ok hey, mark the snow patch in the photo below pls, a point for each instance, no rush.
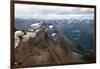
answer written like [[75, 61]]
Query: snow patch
[[53, 34], [36, 24], [37, 30], [51, 26]]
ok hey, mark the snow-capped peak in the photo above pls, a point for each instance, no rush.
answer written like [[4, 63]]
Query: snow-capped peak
[[36, 24], [51, 26], [37, 30], [53, 34]]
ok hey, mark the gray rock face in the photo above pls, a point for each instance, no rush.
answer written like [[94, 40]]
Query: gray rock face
[[42, 50]]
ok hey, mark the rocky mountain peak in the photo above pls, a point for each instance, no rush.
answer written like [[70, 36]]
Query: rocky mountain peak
[[43, 50]]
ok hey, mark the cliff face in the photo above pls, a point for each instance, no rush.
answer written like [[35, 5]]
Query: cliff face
[[42, 50]]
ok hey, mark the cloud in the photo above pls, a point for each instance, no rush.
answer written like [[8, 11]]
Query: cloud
[[26, 10], [87, 10]]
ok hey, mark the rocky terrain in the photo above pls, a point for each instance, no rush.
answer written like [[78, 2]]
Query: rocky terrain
[[43, 44]]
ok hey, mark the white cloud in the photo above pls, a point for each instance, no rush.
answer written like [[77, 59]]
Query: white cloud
[[38, 11]]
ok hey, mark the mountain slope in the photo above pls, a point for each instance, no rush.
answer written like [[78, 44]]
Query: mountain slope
[[43, 50]]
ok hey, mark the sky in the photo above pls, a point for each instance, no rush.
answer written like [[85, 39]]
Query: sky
[[51, 12]]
